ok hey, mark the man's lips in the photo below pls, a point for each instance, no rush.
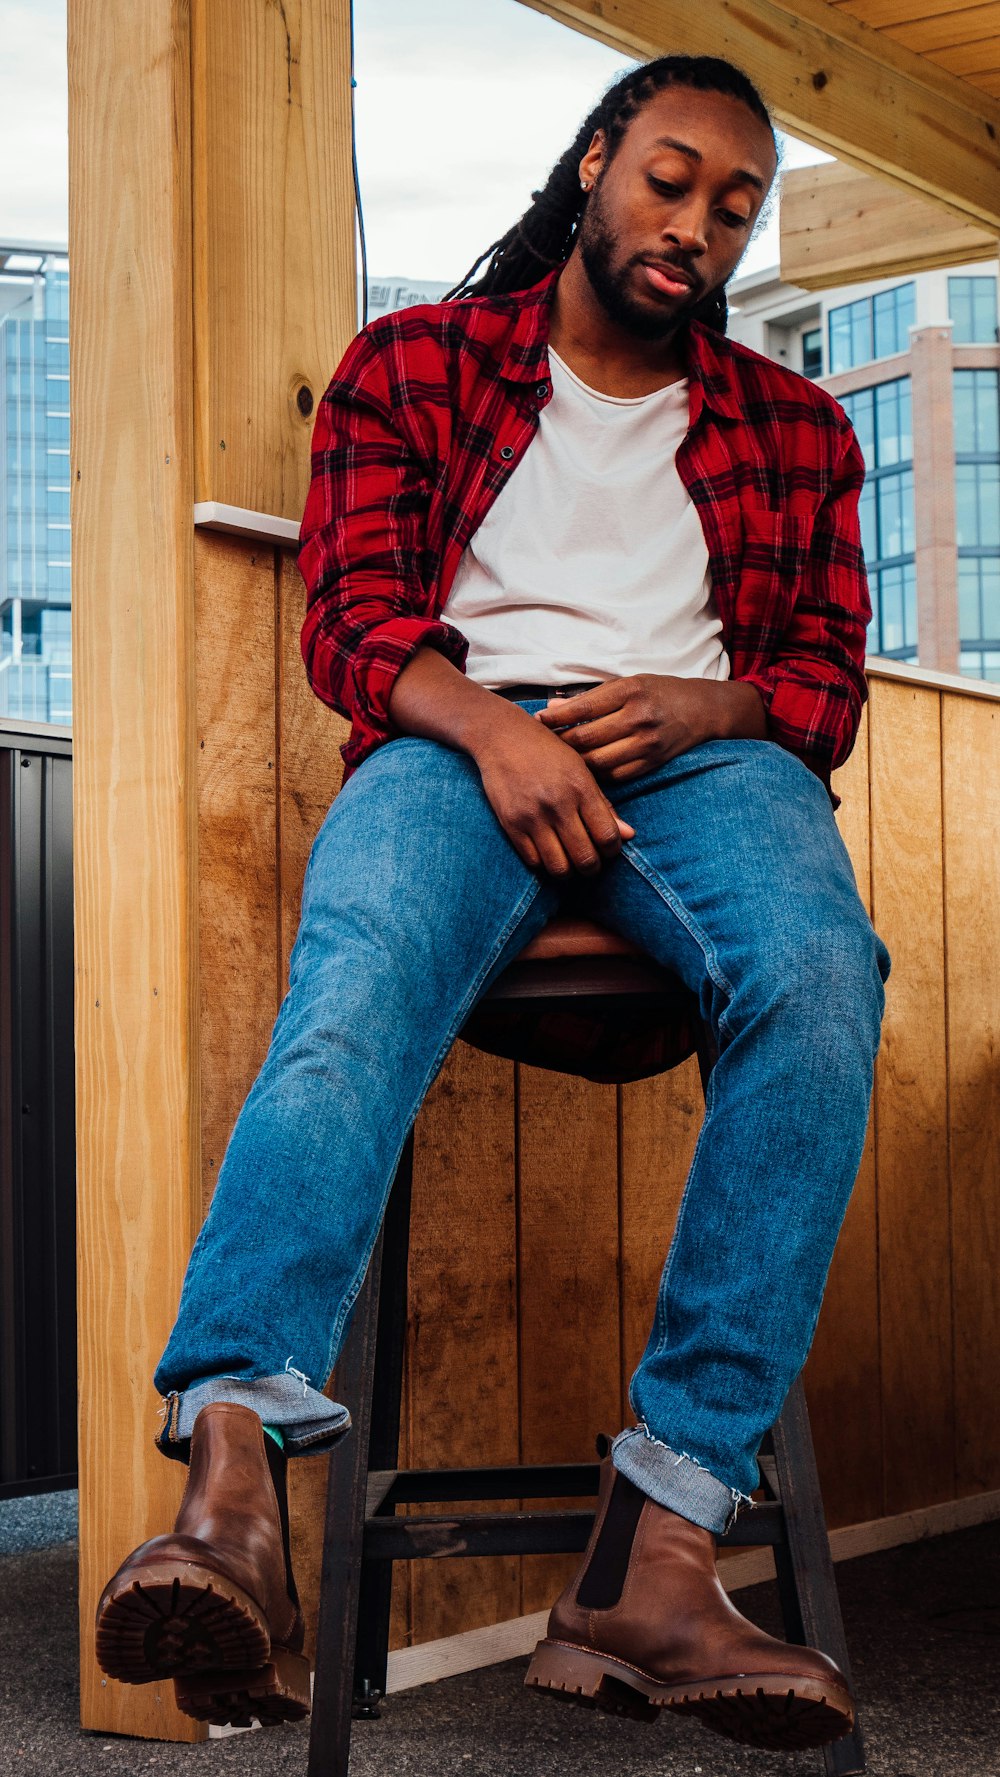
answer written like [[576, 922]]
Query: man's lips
[[668, 278]]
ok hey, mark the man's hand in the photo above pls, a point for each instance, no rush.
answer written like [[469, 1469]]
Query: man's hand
[[544, 797], [628, 726], [549, 805]]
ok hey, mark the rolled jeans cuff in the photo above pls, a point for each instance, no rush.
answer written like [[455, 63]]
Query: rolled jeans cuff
[[307, 1420], [676, 1480]]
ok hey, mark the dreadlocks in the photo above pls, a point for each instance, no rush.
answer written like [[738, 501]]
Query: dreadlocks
[[544, 235]]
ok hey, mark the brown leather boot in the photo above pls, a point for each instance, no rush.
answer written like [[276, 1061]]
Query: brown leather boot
[[213, 1604], [646, 1624]]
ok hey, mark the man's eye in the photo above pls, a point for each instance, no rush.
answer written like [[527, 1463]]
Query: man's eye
[[730, 219]]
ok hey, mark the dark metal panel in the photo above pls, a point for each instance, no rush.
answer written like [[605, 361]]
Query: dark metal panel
[[37, 1146]]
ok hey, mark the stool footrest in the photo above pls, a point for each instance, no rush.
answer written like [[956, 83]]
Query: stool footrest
[[476, 1533], [388, 1488], [523, 1533]]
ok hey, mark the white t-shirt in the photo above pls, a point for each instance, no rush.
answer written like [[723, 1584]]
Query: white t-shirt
[[591, 562]]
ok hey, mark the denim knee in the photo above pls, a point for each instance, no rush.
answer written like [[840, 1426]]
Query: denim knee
[[830, 972]]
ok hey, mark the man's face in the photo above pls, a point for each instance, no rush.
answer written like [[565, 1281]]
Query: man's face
[[657, 208]]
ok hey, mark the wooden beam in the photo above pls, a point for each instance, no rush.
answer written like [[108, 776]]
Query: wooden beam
[[273, 236], [134, 748], [830, 81], [839, 226], [211, 218]]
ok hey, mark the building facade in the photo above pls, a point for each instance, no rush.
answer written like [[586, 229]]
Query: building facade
[[915, 362], [35, 673], [386, 294]]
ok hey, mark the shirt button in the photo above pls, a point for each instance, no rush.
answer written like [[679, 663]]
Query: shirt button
[[542, 390], [506, 451]]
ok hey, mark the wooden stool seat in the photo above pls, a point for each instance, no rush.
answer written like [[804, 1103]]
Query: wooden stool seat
[[573, 958], [570, 935]]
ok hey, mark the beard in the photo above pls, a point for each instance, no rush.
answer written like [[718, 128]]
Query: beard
[[612, 285]]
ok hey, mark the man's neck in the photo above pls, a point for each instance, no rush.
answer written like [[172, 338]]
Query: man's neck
[[604, 355]]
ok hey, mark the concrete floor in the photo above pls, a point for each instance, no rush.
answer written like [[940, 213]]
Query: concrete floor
[[923, 1626]]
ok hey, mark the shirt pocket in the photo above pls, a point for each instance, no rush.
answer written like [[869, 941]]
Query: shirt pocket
[[776, 550]]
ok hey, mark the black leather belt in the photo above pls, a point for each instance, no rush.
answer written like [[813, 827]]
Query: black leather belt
[[545, 691]]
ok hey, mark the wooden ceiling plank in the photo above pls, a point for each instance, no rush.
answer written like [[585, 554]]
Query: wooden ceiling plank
[[971, 58], [881, 14], [972, 24], [831, 82]]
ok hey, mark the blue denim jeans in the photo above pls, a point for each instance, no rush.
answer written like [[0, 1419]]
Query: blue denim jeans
[[414, 900]]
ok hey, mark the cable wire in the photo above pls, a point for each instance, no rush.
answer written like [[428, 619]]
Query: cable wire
[[359, 211]]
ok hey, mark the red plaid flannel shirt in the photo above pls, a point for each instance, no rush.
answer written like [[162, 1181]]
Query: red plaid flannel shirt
[[408, 456], [429, 413]]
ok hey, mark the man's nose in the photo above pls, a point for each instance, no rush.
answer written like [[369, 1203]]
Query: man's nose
[[688, 227]]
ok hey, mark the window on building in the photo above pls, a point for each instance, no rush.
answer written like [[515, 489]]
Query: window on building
[[873, 327], [850, 335], [977, 500], [893, 312], [35, 500], [31, 632], [882, 419], [972, 305], [812, 352]]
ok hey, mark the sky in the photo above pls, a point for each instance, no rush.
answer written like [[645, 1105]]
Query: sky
[[462, 108]]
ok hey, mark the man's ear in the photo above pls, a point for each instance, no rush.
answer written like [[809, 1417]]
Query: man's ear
[[593, 160]]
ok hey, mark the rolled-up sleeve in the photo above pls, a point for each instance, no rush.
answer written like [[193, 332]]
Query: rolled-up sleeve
[[363, 552], [815, 689]]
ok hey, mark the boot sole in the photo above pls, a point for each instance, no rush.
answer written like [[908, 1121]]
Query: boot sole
[[174, 1618], [276, 1692], [780, 1711]]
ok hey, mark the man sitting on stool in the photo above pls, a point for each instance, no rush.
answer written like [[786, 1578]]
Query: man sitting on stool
[[571, 483]]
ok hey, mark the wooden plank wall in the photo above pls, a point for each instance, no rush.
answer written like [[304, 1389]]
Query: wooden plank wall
[[544, 1205]]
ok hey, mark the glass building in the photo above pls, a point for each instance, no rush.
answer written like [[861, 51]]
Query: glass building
[[976, 397], [35, 673], [882, 419], [874, 327], [927, 345]]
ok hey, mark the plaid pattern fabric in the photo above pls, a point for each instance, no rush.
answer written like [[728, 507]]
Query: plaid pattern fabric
[[431, 410]]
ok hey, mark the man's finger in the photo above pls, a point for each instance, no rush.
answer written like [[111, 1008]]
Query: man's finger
[[618, 754], [584, 704], [550, 851], [578, 844], [598, 731]]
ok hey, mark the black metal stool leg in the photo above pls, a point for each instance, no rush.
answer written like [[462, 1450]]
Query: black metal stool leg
[[808, 1555], [383, 1450], [330, 1733]]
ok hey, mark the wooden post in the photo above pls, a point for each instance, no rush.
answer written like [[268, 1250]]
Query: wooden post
[[212, 279]]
